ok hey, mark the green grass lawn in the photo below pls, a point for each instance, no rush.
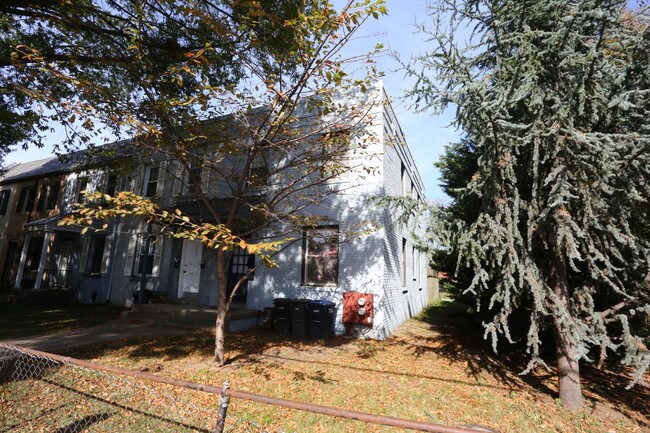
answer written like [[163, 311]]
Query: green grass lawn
[[21, 320]]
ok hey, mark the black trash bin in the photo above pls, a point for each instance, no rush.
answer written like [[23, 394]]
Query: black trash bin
[[282, 315], [299, 318], [322, 316]]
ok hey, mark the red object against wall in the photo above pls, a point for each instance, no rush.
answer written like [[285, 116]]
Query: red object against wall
[[358, 308]]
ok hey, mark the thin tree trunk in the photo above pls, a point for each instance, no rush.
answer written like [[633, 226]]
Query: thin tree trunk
[[566, 349], [222, 311]]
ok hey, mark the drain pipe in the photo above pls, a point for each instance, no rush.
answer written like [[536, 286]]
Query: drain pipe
[[116, 234], [145, 263]]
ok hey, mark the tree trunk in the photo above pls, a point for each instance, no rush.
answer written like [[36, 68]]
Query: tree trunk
[[566, 348], [222, 311]]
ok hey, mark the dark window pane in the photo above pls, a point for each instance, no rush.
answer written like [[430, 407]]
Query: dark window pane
[[26, 199], [4, 201], [42, 199], [53, 196], [95, 255], [194, 179], [82, 185], [111, 185], [144, 255], [152, 182]]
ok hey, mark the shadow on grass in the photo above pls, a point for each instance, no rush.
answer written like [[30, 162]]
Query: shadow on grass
[[22, 320], [456, 336], [240, 346], [459, 338]]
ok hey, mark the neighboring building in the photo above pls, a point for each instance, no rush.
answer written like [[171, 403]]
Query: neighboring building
[[33, 252], [356, 245]]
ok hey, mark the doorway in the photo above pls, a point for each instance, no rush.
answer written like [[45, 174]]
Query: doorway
[[63, 261], [240, 263], [189, 278]]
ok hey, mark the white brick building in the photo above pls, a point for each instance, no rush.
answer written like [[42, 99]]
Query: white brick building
[[356, 245]]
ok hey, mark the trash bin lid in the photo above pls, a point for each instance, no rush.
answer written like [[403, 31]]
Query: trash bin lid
[[322, 303], [281, 301]]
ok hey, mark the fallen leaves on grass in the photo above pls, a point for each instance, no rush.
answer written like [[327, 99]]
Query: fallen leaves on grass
[[432, 371]]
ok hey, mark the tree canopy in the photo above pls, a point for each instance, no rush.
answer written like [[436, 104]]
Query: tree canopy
[[142, 66], [246, 93], [549, 186]]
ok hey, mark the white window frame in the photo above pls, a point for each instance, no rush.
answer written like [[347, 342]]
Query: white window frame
[[88, 251], [78, 196], [132, 263], [147, 180]]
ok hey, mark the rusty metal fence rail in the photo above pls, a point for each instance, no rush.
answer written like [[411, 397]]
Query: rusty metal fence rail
[[46, 392]]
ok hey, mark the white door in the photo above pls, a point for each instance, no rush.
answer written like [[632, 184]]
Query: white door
[[63, 264], [190, 275]]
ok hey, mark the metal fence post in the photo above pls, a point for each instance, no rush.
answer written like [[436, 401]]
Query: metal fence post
[[223, 408]]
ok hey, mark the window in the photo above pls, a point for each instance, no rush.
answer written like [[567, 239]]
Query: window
[[4, 201], [141, 254], [95, 255], [258, 174], [404, 177], [26, 199], [413, 264], [53, 196], [48, 197], [111, 184], [242, 262], [194, 175], [151, 181], [82, 186], [321, 256], [404, 262], [334, 155]]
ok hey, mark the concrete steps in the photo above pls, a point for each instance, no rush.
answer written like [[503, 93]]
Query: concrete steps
[[192, 316]]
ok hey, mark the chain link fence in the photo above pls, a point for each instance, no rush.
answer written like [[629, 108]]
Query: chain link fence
[[41, 392]]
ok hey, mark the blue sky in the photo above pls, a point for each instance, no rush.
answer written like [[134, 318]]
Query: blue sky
[[426, 134]]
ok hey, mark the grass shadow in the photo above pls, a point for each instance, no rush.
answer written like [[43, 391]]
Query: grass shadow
[[23, 320], [459, 339]]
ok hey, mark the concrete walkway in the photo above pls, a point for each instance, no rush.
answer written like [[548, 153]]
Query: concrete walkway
[[113, 330]]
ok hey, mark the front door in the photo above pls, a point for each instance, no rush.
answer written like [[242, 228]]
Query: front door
[[63, 262], [240, 263], [190, 274], [9, 269]]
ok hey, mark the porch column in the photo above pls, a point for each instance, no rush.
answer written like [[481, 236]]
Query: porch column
[[23, 259], [42, 260]]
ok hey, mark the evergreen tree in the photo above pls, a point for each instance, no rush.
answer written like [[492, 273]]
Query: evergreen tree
[[554, 97]]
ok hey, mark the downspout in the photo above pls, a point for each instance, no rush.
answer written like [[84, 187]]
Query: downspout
[[116, 233], [145, 263]]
